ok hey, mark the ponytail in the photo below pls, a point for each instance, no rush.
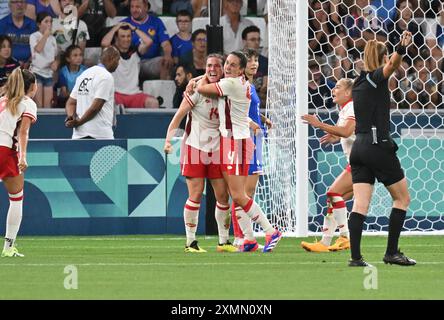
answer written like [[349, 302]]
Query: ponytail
[[18, 84], [374, 53]]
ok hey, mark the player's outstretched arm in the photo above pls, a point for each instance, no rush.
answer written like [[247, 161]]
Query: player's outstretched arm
[[344, 131], [183, 110]]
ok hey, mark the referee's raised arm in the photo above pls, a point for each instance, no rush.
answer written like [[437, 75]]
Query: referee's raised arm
[[396, 58]]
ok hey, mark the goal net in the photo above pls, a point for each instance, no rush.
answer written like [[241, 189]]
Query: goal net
[[298, 170]]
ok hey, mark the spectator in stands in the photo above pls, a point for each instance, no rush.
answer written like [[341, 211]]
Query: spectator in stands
[[363, 25], [7, 62], [94, 13], [181, 41], [19, 27], [196, 59], [69, 73], [385, 10], [424, 87], [4, 8], [434, 32], [154, 65], [44, 59], [126, 76], [318, 87], [122, 7], [339, 61], [233, 24], [399, 85], [52, 7], [200, 8], [404, 21], [90, 107], [180, 5], [64, 29], [183, 76], [251, 38]]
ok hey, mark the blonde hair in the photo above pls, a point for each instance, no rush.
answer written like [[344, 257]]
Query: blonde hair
[[374, 53], [18, 84], [348, 83]]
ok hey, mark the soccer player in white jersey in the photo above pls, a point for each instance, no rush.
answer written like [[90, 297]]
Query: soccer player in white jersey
[[342, 188], [236, 147], [17, 112], [200, 158]]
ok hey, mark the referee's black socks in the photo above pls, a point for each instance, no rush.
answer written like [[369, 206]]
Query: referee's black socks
[[355, 226], [396, 223]]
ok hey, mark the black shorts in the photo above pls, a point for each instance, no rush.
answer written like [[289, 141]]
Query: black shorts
[[370, 161]]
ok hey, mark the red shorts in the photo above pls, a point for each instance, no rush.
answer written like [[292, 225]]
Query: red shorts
[[8, 162], [348, 168], [236, 155], [195, 163], [131, 100]]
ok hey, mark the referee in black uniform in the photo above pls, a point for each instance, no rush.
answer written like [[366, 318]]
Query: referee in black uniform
[[374, 152]]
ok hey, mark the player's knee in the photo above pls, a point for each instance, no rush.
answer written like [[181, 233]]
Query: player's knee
[[361, 207]]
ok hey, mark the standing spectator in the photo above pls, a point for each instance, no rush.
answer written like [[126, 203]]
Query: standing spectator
[[434, 32], [196, 59], [52, 7], [183, 76], [69, 73], [90, 107], [19, 27], [7, 62], [44, 59], [122, 7], [126, 76], [4, 9], [233, 24], [251, 38], [94, 13], [181, 41], [64, 29], [155, 64]]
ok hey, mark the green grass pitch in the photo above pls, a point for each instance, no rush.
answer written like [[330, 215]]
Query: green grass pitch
[[155, 267]]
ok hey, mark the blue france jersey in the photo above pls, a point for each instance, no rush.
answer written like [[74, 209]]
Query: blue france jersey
[[180, 47], [254, 112]]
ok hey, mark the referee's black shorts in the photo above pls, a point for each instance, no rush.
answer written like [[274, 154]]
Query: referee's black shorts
[[369, 161]]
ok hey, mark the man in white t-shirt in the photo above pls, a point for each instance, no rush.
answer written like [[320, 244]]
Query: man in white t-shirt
[[90, 107], [126, 76], [233, 24]]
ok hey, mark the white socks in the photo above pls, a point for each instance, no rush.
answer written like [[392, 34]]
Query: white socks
[[257, 215], [191, 218], [222, 214], [14, 218]]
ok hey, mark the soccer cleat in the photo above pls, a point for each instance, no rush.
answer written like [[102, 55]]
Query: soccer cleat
[[271, 241], [342, 243], [358, 263], [226, 247], [12, 252], [398, 258], [249, 246], [194, 248], [314, 247]]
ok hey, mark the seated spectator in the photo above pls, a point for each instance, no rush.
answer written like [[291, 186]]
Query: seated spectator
[[251, 38], [4, 9], [68, 74], [434, 33], [44, 60], [7, 62], [52, 7], [423, 93], [94, 13], [64, 29], [319, 88], [399, 85], [183, 76], [122, 7], [126, 76], [404, 21], [233, 24], [339, 62], [157, 62], [19, 28], [363, 25], [200, 8], [180, 5], [196, 58], [181, 41]]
